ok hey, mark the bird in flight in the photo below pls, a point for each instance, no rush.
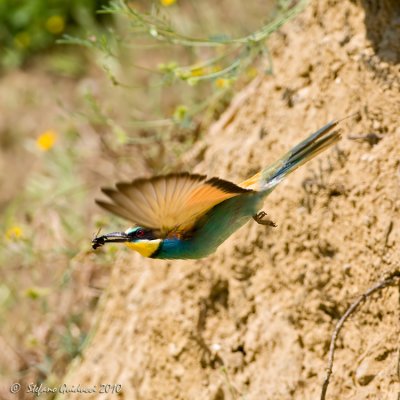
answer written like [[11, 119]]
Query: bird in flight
[[187, 216]]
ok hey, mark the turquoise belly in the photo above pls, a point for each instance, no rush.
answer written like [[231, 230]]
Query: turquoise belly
[[214, 228]]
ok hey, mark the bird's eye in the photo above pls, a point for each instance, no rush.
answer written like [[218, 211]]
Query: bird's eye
[[140, 233]]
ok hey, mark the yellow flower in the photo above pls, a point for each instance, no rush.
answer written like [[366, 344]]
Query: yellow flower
[[35, 293], [46, 140], [14, 233], [222, 83], [167, 3], [55, 24], [22, 40], [180, 113], [252, 72], [31, 341], [198, 72], [216, 68]]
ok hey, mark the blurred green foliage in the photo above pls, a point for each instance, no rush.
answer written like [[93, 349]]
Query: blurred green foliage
[[29, 26], [186, 58]]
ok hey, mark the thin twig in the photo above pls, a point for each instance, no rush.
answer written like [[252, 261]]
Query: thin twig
[[388, 232], [388, 281]]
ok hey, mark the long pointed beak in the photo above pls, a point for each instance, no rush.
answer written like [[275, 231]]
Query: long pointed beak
[[113, 237]]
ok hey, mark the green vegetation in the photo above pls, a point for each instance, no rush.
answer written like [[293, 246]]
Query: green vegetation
[[174, 57], [27, 26]]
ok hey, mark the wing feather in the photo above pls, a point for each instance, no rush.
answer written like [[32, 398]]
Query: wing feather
[[133, 202], [168, 202], [171, 190], [121, 212], [138, 200]]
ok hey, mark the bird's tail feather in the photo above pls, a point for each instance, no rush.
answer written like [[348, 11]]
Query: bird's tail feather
[[267, 179]]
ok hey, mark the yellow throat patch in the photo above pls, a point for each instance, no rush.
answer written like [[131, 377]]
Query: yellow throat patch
[[145, 247]]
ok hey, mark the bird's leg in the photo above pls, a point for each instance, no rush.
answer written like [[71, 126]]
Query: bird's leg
[[260, 219]]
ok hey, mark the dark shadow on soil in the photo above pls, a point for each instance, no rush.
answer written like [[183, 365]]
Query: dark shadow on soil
[[382, 20]]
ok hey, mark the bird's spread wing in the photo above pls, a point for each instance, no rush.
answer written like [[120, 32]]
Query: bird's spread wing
[[168, 203]]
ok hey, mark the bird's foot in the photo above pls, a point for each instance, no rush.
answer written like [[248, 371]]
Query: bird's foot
[[260, 219]]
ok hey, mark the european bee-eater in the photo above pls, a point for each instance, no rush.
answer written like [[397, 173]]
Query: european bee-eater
[[181, 216]]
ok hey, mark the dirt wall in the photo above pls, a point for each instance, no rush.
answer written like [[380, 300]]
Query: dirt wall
[[254, 320]]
